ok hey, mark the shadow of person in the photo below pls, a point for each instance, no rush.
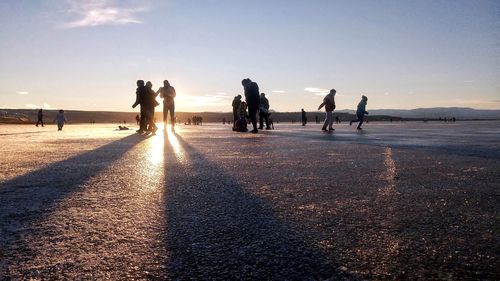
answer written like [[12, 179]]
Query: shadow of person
[[28, 199], [215, 229]]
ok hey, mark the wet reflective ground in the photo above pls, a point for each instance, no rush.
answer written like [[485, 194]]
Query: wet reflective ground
[[395, 201]]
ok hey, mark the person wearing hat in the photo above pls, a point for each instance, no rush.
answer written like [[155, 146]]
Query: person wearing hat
[[252, 98], [360, 112]]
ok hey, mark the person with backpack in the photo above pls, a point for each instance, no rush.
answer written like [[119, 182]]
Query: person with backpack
[[252, 98], [329, 104]]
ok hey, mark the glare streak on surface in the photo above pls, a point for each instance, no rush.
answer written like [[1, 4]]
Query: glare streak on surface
[[171, 138]]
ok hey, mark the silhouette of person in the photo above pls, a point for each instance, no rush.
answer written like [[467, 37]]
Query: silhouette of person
[[316, 119], [329, 104], [360, 112], [137, 119], [241, 123], [236, 106], [60, 119], [141, 99], [151, 104], [167, 93], [40, 117], [304, 117], [264, 112], [252, 99]]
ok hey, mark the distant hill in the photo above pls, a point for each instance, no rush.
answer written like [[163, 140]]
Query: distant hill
[[77, 116], [437, 112]]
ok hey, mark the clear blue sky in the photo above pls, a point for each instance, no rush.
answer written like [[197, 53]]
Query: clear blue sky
[[401, 54]]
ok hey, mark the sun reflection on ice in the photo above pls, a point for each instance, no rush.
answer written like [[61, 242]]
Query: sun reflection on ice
[[171, 137]]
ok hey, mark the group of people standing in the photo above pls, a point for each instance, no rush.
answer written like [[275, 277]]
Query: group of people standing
[[146, 98], [255, 102]]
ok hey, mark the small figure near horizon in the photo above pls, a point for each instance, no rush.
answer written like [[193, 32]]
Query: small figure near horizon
[[329, 104], [167, 93], [60, 120], [264, 112], [304, 117], [140, 99], [252, 98], [40, 118], [337, 120], [137, 119], [360, 112], [271, 123], [236, 106], [316, 119], [224, 121]]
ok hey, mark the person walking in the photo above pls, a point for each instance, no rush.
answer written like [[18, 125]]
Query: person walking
[[60, 120], [151, 104], [40, 117], [304, 117], [329, 104], [236, 106], [167, 93], [141, 99], [252, 98], [360, 112], [264, 112]]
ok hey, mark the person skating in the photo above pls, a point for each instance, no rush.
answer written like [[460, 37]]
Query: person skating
[[329, 104], [360, 112], [304, 117], [40, 117], [252, 98], [140, 99], [264, 112], [167, 93], [60, 120]]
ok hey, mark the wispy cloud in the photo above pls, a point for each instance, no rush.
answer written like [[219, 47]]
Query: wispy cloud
[[35, 106], [22, 93], [193, 101], [317, 91], [478, 101], [101, 12], [386, 94], [278, 91]]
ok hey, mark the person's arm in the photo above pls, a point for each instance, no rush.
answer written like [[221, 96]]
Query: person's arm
[[173, 93], [321, 105]]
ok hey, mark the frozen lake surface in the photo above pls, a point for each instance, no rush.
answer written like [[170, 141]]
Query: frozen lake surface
[[408, 200]]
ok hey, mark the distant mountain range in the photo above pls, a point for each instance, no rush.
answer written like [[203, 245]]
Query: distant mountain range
[[77, 116]]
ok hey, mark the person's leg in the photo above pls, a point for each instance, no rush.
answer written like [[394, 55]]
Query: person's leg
[[353, 121], [165, 114], [144, 120], [261, 120], [252, 111], [330, 123], [41, 121], [361, 119], [172, 115], [326, 122], [266, 119]]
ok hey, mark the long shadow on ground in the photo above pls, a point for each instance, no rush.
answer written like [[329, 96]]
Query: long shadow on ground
[[217, 230], [27, 199]]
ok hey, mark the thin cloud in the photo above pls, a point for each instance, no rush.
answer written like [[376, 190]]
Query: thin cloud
[[101, 12], [35, 106], [278, 92], [22, 93], [317, 91], [386, 94]]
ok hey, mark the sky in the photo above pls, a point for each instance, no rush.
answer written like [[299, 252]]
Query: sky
[[402, 54]]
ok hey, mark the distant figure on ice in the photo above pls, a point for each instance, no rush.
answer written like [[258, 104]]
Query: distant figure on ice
[[316, 119], [60, 120], [167, 93], [264, 112], [337, 120], [40, 117], [360, 112], [236, 106], [137, 119], [329, 104], [304, 117], [252, 98]]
